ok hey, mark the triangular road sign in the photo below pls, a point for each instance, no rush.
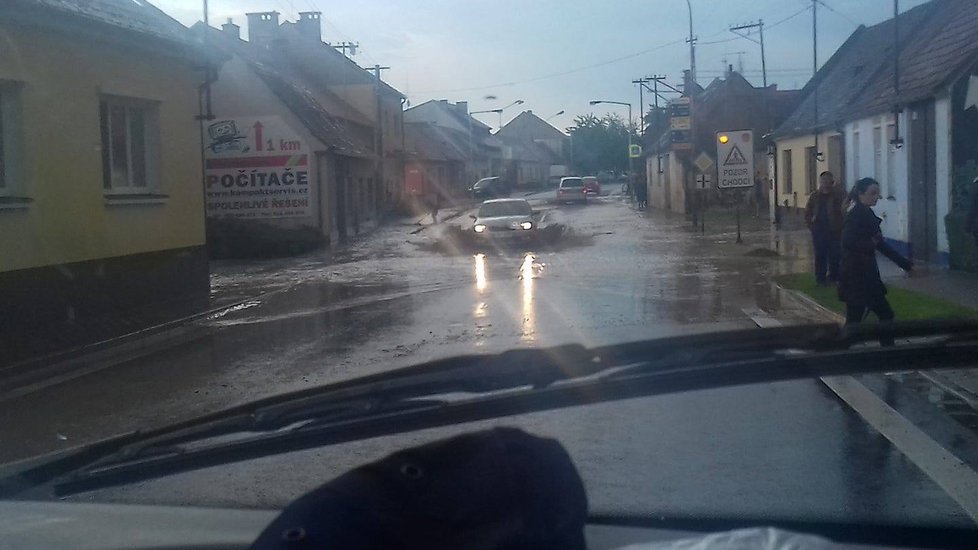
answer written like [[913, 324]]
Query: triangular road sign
[[734, 157]]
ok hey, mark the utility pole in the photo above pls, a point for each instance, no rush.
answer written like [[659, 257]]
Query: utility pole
[[897, 141], [641, 103], [656, 80], [760, 26], [814, 72], [692, 45]]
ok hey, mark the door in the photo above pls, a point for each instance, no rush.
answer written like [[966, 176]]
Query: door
[[923, 183]]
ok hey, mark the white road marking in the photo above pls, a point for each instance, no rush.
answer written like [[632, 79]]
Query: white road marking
[[953, 475], [957, 479]]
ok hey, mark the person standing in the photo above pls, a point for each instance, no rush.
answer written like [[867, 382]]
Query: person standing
[[860, 285], [971, 221], [823, 215]]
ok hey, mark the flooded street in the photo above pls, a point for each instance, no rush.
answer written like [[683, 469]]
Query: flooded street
[[408, 294]]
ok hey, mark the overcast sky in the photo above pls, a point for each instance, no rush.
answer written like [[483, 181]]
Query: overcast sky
[[559, 54]]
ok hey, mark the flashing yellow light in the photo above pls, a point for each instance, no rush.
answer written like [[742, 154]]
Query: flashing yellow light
[[723, 138]]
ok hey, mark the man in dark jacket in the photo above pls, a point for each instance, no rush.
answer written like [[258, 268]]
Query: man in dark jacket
[[971, 222], [823, 215]]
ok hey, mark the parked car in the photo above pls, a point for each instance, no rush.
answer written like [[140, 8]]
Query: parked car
[[490, 188], [591, 185], [571, 189], [505, 218]]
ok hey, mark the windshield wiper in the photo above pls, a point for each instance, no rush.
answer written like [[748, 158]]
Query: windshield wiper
[[478, 387]]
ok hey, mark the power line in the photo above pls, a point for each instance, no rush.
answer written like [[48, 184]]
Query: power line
[[562, 73], [839, 13], [771, 26], [603, 63]]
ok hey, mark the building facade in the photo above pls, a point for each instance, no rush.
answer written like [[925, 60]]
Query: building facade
[[101, 210]]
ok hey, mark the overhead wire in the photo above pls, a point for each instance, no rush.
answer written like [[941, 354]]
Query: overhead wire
[[839, 13]]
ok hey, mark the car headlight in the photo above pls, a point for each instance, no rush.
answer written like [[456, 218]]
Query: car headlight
[[479, 228], [527, 225]]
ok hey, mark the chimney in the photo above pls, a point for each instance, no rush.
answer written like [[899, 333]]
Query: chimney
[[309, 25], [462, 106], [231, 30], [262, 27]]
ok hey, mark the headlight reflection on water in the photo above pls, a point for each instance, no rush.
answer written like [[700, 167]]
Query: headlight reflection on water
[[528, 326], [481, 282]]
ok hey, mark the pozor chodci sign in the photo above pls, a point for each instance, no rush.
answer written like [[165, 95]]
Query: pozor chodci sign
[[256, 168]]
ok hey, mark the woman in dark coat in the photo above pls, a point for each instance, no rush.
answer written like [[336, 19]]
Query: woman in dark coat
[[860, 286]]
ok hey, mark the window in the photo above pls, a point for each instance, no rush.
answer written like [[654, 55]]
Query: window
[[128, 139], [811, 171], [786, 170], [11, 178], [856, 169]]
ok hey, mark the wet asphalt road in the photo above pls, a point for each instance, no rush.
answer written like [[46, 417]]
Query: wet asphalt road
[[784, 450]]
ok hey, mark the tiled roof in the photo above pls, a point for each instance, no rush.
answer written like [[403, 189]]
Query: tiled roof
[[936, 40], [933, 54], [132, 15], [330, 65], [330, 130]]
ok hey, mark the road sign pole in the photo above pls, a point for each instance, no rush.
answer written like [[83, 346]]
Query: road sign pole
[[703, 213], [739, 239]]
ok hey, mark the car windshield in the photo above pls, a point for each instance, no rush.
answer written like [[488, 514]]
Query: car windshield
[[505, 208], [205, 204]]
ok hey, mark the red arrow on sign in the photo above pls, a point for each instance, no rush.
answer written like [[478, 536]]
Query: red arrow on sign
[[258, 143]]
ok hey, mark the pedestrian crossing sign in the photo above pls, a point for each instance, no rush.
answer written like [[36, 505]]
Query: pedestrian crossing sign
[[735, 157], [736, 149]]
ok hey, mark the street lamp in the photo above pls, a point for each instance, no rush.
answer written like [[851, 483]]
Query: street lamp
[[631, 170], [500, 111], [558, 113]]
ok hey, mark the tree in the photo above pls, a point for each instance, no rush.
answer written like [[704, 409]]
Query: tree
[[600, 144]]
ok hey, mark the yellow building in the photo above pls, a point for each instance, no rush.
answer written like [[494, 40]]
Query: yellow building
[[101, 209]]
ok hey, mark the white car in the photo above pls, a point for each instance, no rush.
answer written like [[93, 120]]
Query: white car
[[504, 218]]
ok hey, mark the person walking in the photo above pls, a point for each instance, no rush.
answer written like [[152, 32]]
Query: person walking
[[860, 285], [823, 216], [971, 221], [434, 206]]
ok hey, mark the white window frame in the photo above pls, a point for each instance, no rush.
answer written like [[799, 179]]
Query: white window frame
[[151, 146], [12, 179]]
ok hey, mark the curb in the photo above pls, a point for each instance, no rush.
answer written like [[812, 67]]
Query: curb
[[811, 304], [945, 383], [29, 375]]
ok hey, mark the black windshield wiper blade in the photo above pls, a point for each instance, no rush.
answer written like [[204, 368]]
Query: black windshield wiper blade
[[403, 400]]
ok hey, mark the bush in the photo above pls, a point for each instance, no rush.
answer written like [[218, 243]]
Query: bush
[[240, 239]]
